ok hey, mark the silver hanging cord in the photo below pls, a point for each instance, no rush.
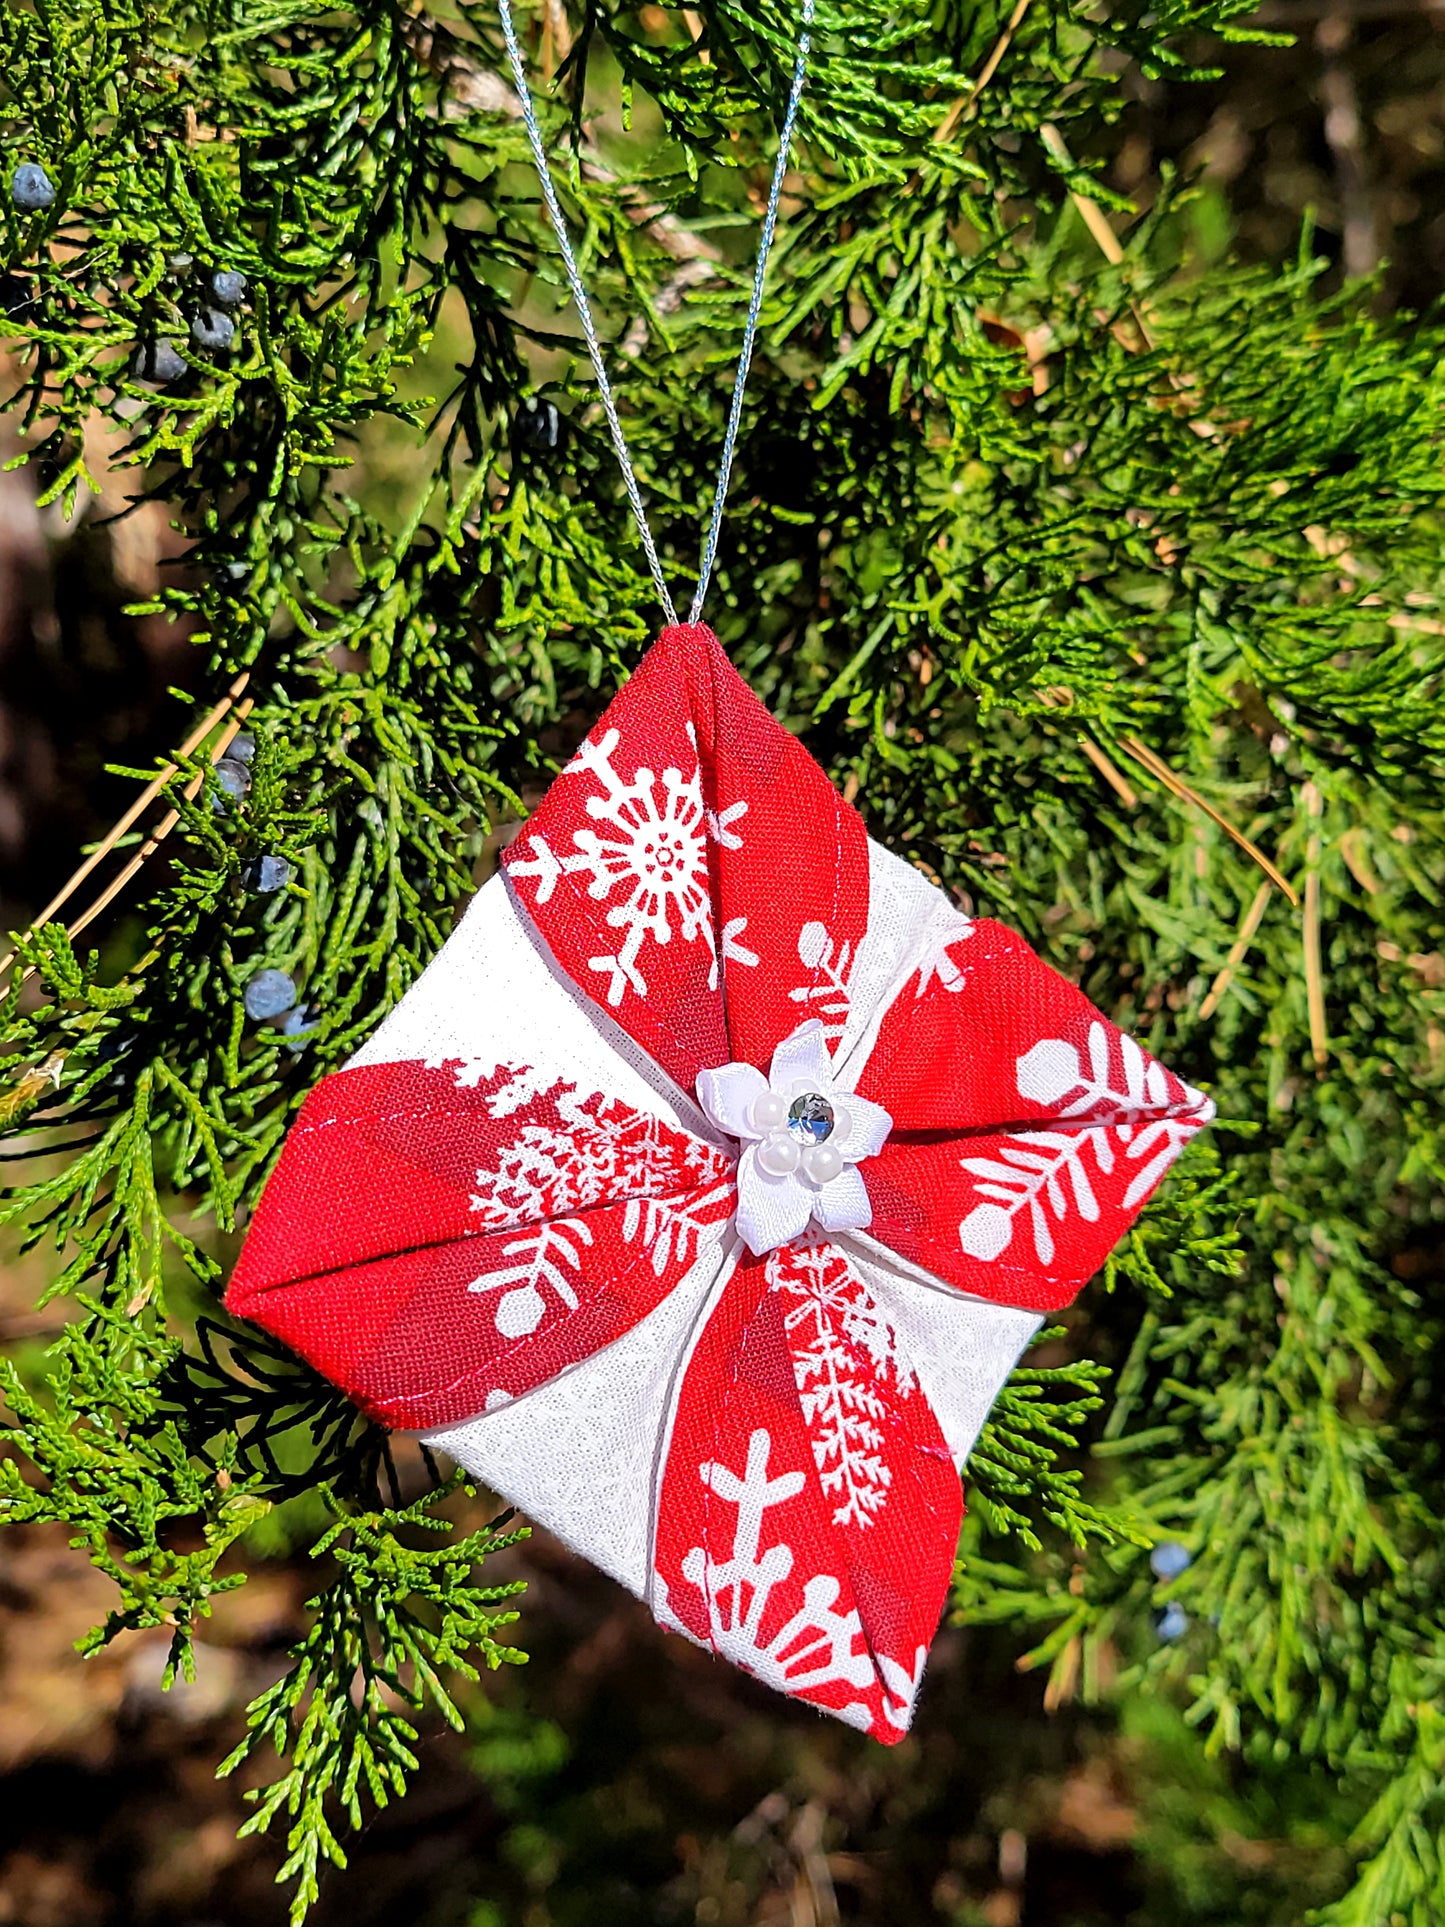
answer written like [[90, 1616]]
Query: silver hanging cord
[[584, 309], [589, 328], [750, 326]]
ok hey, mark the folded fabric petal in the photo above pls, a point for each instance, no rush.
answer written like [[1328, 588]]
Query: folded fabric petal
[[651, 866], [809, 1511]]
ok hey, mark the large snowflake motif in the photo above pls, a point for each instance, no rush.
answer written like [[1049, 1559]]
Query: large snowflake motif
[[653, 851], [814, 1646], [845, 1365], [1044, 1175]]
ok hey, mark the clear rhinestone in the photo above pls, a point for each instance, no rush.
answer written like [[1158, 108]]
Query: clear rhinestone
[[810, 1118]]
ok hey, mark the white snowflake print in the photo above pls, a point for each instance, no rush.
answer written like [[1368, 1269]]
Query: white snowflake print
[[650, 853], [523, 1085], [900, 1687], [674, 1228], [845, 1358], [601, 1152], [544, 1258], [720, 825], [937, 963], [1043, 1175], [829, 993], [817, 1645]]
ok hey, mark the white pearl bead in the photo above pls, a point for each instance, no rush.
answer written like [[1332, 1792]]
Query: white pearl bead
[[822, 1163], [778, 1156], [767, 1111]]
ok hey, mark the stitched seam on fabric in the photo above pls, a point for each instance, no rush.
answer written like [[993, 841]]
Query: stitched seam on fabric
[[920, 1489], [499, 1359], [468, 1234], [662, 1448]]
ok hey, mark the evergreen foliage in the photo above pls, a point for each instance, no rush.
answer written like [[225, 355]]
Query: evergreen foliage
[[1013, 520]]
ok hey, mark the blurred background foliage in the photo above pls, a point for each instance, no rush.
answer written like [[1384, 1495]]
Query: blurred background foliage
[[1035, 491]]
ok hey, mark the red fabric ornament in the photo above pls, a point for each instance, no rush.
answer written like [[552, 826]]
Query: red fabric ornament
[[705, 1189]]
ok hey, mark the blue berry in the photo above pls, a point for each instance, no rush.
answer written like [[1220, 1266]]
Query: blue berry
[[157, 361], [299, 1026], [270, 993], [228, 288], [243, 743], [31, 188], [1170, 1559], [234, 780], [266, 874], [537, 424], [1173, 1622], [212, 330]]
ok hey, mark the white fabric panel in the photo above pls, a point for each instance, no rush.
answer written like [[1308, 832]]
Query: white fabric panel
[[493, 995], [584, 1454], [961, 1348], [911, 925]]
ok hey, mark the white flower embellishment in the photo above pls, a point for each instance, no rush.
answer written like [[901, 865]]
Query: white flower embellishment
[[804, 1140]]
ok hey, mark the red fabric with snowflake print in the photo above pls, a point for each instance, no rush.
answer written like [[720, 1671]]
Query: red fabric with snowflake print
[[703, 1192], [666, 860]]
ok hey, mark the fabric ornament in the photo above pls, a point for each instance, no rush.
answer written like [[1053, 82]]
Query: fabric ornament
[[703, 1192]]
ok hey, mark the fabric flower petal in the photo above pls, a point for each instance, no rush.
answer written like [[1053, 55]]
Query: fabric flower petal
[[650, 866], [448, 1223], [771, 1210], [1027, 1216], [727, 1095], [864, 1127], [843, 1203], [1004, 1040], [802, 1058]]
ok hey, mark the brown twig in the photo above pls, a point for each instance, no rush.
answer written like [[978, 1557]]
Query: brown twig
[[967, 102], [693, 21], [1357, 862], [1253, 917], [1158, 768], [1059, 696], [1113, 776], [556, 36], [147, 796], [1314, 804], [157, 836], [1096, 222], [163, 829], [1093, 215], [667, 301]]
